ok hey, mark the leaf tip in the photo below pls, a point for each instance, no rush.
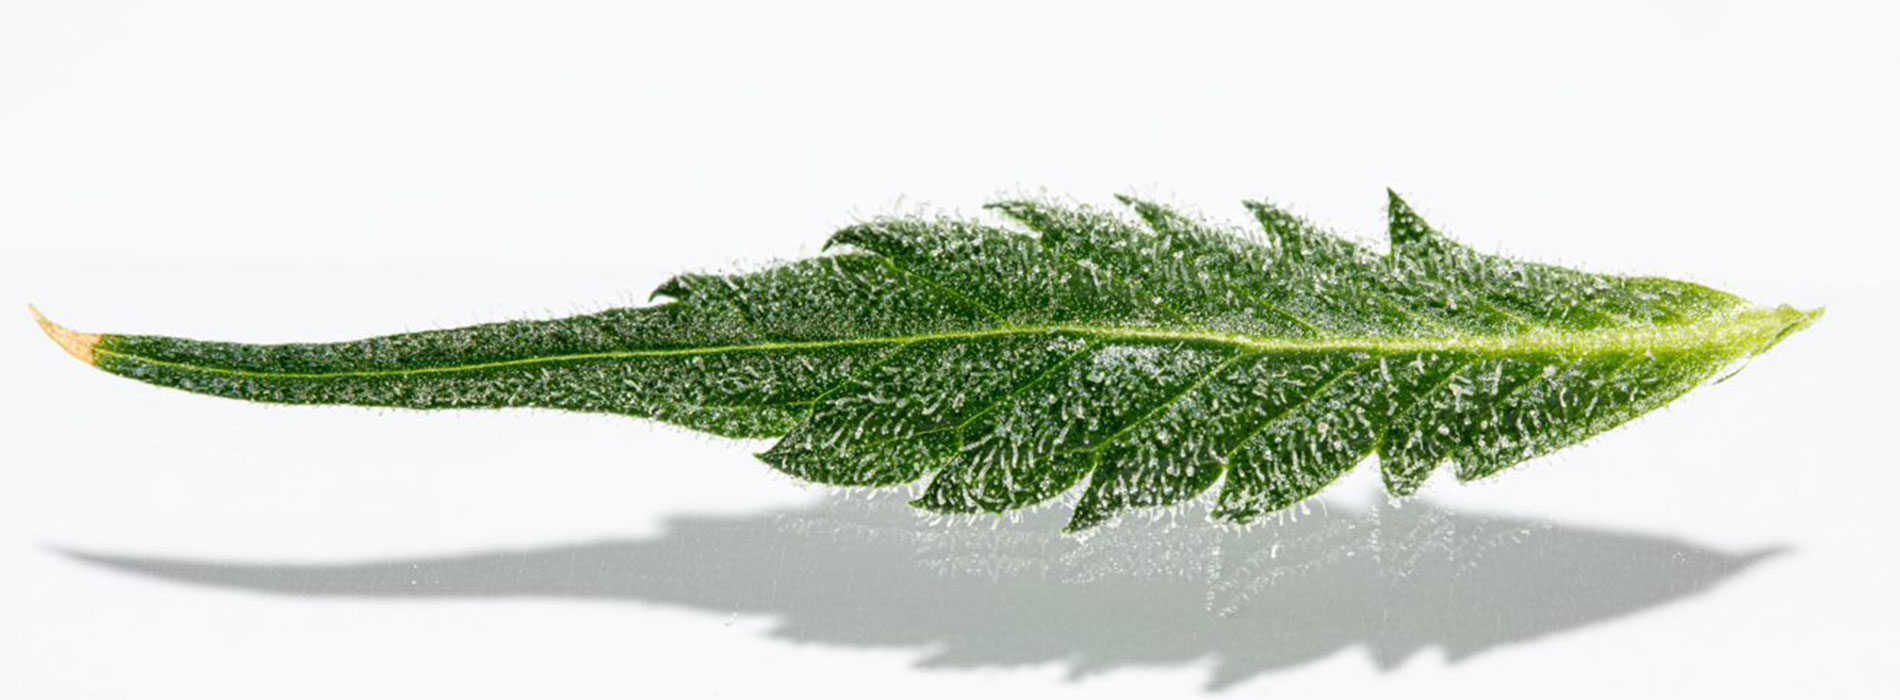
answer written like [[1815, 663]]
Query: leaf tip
[[1792, 321], [1012, 208], [1404, 226], [847, 236], [1395, 206], [79, 345], [666, 290]]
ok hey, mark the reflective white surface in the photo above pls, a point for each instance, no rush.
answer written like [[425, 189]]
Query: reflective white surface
[[346, 169]]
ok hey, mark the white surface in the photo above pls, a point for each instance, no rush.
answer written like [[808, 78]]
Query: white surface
[[328, 170]]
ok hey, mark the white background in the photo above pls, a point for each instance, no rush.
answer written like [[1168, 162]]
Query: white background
[[329, 170]]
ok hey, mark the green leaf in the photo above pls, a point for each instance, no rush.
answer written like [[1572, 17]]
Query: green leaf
[[1141, 361]]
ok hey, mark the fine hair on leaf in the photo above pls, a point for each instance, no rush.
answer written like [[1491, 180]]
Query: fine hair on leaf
[[1132, 356]]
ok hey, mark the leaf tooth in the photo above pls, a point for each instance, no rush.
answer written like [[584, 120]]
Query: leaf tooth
[[1051, 222], [1237, 247], [684, 286], [1411, 236], [1160, 459], [1295, 451], [1159, 217], [1417, 440], [1278, 223], [1308, 244], [1182, 450], [881, 236], [1404, 227]]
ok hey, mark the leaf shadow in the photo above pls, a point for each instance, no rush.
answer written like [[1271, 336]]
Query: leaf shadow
[[870, 573]]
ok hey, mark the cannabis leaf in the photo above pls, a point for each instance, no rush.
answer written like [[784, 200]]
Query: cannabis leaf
[[1149, 359]]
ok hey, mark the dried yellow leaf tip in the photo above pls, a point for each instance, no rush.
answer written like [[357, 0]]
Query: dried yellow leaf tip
[[77, 344]]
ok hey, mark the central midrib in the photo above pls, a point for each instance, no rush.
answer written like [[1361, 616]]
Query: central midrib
[[1732, 333]]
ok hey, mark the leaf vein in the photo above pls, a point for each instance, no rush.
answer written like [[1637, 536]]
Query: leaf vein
[[1284, 413], [1209, 374], [946, 292]]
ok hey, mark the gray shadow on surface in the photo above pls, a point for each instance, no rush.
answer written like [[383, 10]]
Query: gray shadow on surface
[[857, 573]]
